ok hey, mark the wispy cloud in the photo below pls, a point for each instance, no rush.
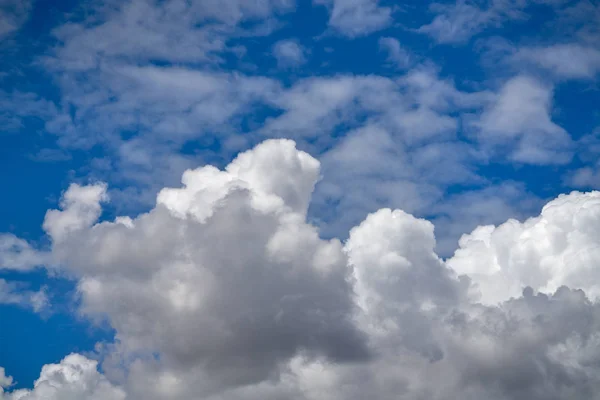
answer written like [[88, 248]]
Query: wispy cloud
[[355, 18], [13, 14], [289, 53]]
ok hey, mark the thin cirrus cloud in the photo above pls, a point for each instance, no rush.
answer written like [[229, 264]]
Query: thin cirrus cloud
[[13, 14]]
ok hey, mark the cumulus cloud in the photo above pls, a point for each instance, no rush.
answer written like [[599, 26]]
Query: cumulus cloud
[[224, 291], [402, 152], [228, 255], [490, 204], [74, 378], [558, 247], [80, 209], [519, 120]]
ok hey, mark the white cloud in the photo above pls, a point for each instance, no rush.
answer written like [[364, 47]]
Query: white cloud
[[415, 104], [74, 378], [403, 153], [456, 23], [172, 31], [490, 204], [354, 18], [80, 209], [519, 121], [559, 247], [17, 254], [17, 293], [564, 60], [397, 55], [585, 177], [5, 381], [289, 53]]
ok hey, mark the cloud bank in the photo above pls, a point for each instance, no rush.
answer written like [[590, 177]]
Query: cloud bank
[[224, 291]]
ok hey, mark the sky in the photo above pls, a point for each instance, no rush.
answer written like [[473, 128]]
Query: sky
[[299, 199]]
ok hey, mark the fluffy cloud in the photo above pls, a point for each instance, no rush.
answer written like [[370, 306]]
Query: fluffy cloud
[[228, 256], [559, 247], [17, 254], [74, 378], [223, 291], [519, 121], [413, 149]]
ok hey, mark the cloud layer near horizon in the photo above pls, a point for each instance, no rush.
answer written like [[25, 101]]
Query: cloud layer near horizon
[[224, 291]]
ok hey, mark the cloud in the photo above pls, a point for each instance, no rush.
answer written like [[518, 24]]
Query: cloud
[[228, 255], [402, 152], [457, 22], [519, 120], [415, 104], [74, 378], [353, 18], [17, 254], [397, 55], [165, 107], [289, 53], [17, 293], [225, 288], [588, 176], [585, 177], [564, 60], [489, 204], [168, 31], [5, 381], [223, 291], [579, 20], [18, 108], [80, 209], [556, 248], [13, 14]]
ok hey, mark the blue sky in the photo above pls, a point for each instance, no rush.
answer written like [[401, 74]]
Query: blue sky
[[464, 113]]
